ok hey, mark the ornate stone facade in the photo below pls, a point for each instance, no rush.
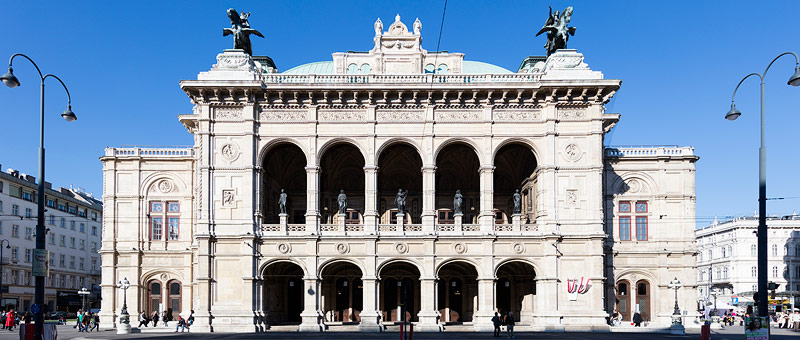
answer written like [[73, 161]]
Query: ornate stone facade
[[364, 132]]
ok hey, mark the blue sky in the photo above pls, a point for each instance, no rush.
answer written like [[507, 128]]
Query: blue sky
[[679, 62]]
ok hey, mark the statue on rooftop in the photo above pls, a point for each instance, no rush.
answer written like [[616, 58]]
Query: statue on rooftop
[[517, 198], [342, 200], [240, 28], [458, 203], [400, 200], [557, 31], [282, 201]]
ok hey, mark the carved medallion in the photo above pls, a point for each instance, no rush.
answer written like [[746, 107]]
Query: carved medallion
[[342, 248], [229, 152], [228, 198], [572, 198], [572, 152], [518, 248], [401, 248], [165, 186], [460, 248], [284, 248]]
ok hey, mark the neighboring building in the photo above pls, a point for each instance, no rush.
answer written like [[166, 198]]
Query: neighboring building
[[727, 261], [201, 228], [73, 219]]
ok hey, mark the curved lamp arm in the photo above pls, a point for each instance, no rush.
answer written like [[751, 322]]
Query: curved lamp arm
[[10, 60], [69, 99], [796, 62], [742, 81]]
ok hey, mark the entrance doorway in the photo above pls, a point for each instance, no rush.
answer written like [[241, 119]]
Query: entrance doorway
[[283, 293], [458, 292], [342, 292], [624, 299], [516, 290], [643, 298], [399, 299]]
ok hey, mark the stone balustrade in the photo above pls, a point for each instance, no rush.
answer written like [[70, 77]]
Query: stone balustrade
[[399, 78], [648, 151], [151, 152]]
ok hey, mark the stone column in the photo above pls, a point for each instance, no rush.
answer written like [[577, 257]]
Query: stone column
[[312, 199], [371, 199], [310, 315], [429, 198], [427, 312], [483, 318], [486, 216], [369, 312]]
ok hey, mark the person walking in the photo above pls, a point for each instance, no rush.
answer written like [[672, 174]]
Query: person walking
[[79, 321], [796, 321], [496, 323], [190, 320], [87, 316], [637, 319], [164, 319], [3, 319], [510, 325], [142, 319], [181, 324], [10, 320], [155, 318]]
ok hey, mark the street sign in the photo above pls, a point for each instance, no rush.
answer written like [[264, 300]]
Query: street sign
[[35, 309], [734, 300], [41, 262]]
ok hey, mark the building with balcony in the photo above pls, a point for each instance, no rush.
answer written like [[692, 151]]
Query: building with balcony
[[399, 185], [73, 220], [727, 261]]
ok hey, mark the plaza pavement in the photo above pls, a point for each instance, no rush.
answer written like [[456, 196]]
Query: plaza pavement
[[730, 333]]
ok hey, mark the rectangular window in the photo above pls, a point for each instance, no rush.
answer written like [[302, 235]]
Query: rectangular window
[[27, 196], [155, 228], [173, 207], [1, 206], [63, 223], [51, 203], [61, 261], [156, 207], [82, 228], [1, 227], [71, 225], [641, 228], [14, 210], [173, 228], [82, 245], [624, 207], [52, 261], [28, 255], [28, 233], [94, 247], [1, 186], [72, 242], [62, 241], [641, 207], [94, 230], [94, 263], [52, 238], [62, 207], [80, 263], [28, 212], [14, 230], [82, 213], [94, 216], [72, 262], [52, 220], [14, 253], [73, 210], [625, 228]]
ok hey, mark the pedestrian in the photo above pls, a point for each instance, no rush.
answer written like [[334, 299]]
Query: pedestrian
[[3, 318], [496, 323], [510, 325], [190, 321], [96, 321], [155, 318], [10, 320], [181, 324], [142, 319], [796, 321], [87, 316], [79, 320], [637, 319], [164, 319]]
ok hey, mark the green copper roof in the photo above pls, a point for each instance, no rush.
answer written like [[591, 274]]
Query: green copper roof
[[326, 67]]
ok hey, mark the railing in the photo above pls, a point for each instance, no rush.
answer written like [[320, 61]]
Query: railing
[[150, 152], [399, 78], [503, 227], [648, 151], [393, 229], [296, 228]]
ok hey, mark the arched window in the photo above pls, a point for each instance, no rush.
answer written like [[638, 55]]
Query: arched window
[[774, 250], [442, 69], [753, 271], [174, 306], [724, 252], [365, 69], [154, 296], [730, 251], [753, 250], [786, 250], [710, 254], [352, 69], [429, 68], [725, 272]]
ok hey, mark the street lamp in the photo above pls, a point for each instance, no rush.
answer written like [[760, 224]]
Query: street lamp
[[124, 317], [676, 314], [794, 80], [8, 246], [40, 254], [84, 293]]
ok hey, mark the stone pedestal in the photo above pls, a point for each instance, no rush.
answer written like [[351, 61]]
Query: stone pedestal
[[400, 221], [516, 221], [459, 222], [341, 220], [124, 325], [284, 220]]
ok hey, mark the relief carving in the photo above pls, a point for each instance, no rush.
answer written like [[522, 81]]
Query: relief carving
[[458, 115], [571, 114], [572, 198], [517, 115], [400, 115], [228, 113], [283, 116], [342, 115]]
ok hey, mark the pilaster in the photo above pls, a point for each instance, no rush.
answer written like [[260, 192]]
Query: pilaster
[[429, 198], [482, 322], [427, 313], [312, 199], [371, 199], [370, 318], [311, 319], [486, 216]]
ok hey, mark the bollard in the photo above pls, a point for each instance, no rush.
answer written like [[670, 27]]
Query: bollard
[[402, 330], [411, 331], [705, 332]]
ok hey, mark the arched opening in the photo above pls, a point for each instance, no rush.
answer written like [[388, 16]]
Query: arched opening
[[342, 292], [457, 167], [153, 297], [643, 299], [624, 299], [399, 168], [516, 290], [283, 293], [284, 169], [515, 166], [174, 296], [458, 292], [342, 170], [399, 299]]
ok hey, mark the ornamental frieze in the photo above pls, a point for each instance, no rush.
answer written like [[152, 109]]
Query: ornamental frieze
[[459, 115], [342, 115], [517, 115], [400, 115], [571, 114], [284, 115], [228, 113]]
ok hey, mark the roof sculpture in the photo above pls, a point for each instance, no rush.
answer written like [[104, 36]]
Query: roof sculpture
[[240, 28]]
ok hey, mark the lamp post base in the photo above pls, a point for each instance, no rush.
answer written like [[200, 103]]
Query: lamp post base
[[124, 325]]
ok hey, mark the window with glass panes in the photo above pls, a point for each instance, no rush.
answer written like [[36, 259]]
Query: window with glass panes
[[161, 212], [633, 214]]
